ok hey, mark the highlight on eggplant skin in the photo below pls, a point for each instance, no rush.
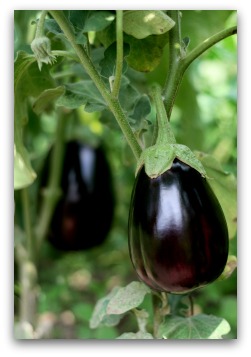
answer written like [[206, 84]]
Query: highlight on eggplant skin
[[178, 236], [84, 214]]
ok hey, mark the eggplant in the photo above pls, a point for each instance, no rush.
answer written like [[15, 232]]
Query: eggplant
[[178, 236], [83, 216]]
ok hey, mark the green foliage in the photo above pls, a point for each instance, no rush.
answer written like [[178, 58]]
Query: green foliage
[[193, 328], [142, 23]]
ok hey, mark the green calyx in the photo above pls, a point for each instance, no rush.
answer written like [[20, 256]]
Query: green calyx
[[159, 158]]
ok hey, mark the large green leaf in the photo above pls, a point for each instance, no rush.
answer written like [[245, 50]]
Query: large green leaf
[[127, 298], [82, 93], [110, 309], [193, 328], [90, 20], [108, 63], [145, 54], [28, 81], [224, 185], [142, 23], [100, 316]]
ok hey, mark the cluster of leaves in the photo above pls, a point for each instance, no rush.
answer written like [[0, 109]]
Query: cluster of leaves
[[44, 89], [174, 325]]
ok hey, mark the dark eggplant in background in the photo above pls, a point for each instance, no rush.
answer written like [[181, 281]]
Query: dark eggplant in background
[[83, 216], [178, 236]]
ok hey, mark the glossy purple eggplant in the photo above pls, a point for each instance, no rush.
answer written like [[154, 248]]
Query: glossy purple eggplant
[[178, 236], [84, 214]]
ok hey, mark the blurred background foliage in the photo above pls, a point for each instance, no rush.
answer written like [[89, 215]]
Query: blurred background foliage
[[204, 118]]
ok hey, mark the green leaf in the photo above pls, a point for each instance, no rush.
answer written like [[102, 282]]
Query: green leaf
[[224, 185], [100, 315], [91, 20], [141, 110], [128, 96], [108, 63], [145, 54], [135, 336], [193, 328], [24, 175], [28, 81], [52, 26], [127, 298], [82, 93], [46, 98], [142, 23]]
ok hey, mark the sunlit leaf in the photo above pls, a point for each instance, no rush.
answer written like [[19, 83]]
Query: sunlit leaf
[[127, 298], [193, 328], [142, 23]]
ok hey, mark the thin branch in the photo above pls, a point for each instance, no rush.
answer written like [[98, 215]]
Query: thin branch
[[40, 24], [119, 59], [205, 45], [30, 242]]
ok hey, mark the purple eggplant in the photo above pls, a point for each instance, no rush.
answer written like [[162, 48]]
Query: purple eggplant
[[178, 236]]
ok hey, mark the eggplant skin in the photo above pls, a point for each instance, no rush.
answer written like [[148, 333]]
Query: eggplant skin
[[178, 236], [84, 214]]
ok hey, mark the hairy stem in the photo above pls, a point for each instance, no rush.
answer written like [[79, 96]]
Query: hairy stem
[[179, 61], [173, 78], [165, 134], [119, 59], [52, 192], [27, 267], [112, 102], [30, 241], [40, 24]]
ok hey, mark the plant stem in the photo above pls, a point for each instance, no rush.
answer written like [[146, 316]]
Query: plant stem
[[165, 134], [52, 193], [66, 54], [112, 102], [40, 24], [119, 59], [27, 268], [205, 45], [157, 318], [30, 241], [173, 78], [179, 61]]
